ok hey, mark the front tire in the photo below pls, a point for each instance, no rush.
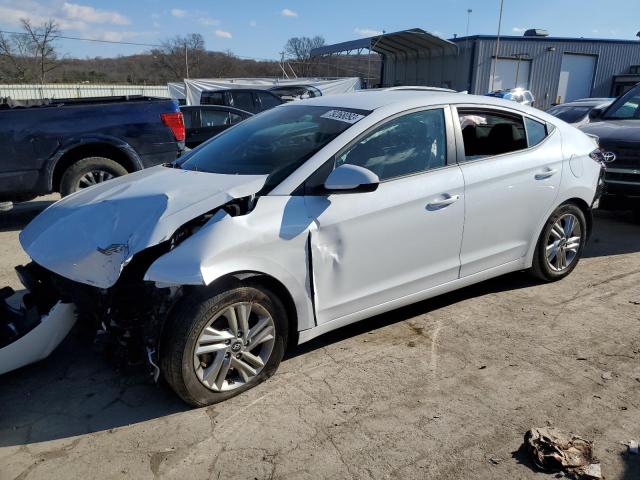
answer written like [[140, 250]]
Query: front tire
[[560, 245], [88, 172], [219, 344]]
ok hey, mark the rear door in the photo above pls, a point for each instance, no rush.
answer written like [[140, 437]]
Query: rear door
[[512, 167]]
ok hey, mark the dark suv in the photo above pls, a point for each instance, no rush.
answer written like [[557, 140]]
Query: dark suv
[[618, 130], [249, 100]]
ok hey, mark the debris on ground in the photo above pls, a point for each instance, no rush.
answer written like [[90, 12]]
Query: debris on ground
[[633, 447], [554, 451], [607, 375]]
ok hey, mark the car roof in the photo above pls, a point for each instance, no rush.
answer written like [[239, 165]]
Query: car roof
[[226, 108], [587, 102], [375, 99]]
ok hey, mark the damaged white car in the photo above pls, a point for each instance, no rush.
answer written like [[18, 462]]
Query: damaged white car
[[300, 220]]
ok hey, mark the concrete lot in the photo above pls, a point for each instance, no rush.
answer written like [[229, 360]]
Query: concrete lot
[[442, 389]]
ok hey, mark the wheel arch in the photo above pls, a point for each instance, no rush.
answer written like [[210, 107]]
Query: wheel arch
[[571, 200], [260, 279], [120, 153], [586, 210]]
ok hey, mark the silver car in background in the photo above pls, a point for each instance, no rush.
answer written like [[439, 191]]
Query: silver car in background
[[311, 216]]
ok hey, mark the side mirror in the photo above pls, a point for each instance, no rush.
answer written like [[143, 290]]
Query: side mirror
[[351, 179], [595, 113]]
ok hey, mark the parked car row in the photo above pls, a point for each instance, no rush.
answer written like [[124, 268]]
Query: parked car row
[[69, 144]]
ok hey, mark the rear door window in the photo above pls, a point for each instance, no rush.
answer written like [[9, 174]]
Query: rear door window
[[267, 101], [190, 118], [212, 98], [236, 118], [214, 118], [243, 101], [488, 133]]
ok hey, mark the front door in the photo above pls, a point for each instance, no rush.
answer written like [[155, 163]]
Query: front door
[[371, 248]]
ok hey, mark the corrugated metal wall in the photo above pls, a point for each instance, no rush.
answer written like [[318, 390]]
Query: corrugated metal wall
[[66, 90], [423, 69], [613, 58], [471, 68]]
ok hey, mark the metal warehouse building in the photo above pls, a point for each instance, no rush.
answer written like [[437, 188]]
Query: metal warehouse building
[[555, 69]]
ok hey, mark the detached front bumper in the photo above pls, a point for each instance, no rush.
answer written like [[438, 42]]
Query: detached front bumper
[[26, 334]]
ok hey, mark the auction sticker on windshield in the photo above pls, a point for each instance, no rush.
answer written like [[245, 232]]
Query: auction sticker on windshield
[[343, 116]]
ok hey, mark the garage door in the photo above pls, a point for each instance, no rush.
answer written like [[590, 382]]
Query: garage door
[[510, 73], [576, 77]]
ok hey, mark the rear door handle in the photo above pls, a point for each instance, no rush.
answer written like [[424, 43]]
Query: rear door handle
[[546, 174], [445, 202]]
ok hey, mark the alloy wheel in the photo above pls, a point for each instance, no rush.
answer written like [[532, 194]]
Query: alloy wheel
[[563, 242], [234, 347], [93, 178]]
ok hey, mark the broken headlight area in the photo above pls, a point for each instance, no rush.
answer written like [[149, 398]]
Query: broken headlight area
[[22, 315], [125, 320]]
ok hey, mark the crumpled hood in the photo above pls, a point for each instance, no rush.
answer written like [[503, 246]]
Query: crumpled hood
[[627, 131], [89, 236]]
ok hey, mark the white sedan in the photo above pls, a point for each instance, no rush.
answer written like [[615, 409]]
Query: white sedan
[[311, 216]]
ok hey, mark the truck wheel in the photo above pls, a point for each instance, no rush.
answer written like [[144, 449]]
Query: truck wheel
[[217, 345], [88, 172]]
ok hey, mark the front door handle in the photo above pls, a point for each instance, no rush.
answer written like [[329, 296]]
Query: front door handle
[[546, 174], [445, 202]]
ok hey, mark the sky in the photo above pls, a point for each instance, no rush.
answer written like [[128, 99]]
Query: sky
[[260, 28]]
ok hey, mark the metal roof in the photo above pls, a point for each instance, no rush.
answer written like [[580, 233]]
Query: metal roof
[[414, 41], [545, 39]]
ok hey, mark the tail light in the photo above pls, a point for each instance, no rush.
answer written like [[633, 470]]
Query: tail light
[[175, 122]]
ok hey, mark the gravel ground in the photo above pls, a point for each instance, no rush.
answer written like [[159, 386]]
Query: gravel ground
[[443, 389]]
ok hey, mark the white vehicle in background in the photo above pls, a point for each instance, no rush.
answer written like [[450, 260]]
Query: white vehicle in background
[[577, 112], [308, 217], [518, 95]]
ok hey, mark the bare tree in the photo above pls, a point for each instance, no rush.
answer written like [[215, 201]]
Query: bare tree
[[31, 55], [181, 56], [299, 50], [40, 44]]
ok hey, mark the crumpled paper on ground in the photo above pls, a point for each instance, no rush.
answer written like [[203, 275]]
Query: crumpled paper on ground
[[554, 451]]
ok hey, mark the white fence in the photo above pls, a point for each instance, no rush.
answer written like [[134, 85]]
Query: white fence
[[68, 90]]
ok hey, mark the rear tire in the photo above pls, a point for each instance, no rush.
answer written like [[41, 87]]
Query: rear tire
[[560, 244], [87, 172], [200, 322]]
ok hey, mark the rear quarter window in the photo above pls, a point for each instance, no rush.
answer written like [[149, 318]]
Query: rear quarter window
[[536, 131]]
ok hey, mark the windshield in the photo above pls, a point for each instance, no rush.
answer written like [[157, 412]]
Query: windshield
[[626, 107], [569, 114], [274, 143]]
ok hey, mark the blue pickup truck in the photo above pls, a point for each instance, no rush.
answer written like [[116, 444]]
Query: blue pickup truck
[[65, 145]]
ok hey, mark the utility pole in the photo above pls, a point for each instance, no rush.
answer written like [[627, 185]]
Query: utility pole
[[186, 58], [468, 20], [371, 47], [495, 57]]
